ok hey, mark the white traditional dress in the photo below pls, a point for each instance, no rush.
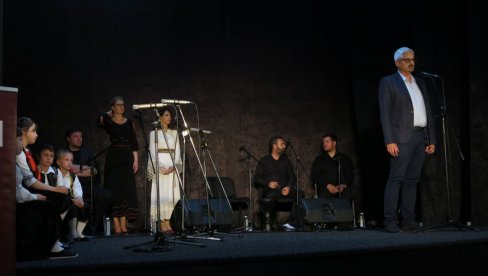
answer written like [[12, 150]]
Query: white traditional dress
[[169, 187]]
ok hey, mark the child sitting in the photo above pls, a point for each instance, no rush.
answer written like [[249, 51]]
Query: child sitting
[[78, 215]]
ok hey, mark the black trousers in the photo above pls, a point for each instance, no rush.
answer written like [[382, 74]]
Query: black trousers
[[274, 200], [38, 228]]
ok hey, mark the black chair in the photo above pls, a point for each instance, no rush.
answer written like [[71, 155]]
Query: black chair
[[237, 203]]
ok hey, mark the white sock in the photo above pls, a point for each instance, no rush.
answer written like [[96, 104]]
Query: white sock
[[80, 227], [57, 247], [64, 215]]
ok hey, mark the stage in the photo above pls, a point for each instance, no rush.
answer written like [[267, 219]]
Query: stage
[[334, 252]]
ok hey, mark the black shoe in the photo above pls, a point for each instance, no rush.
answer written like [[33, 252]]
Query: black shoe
[[410, 226], [392, 228], [64, 254]]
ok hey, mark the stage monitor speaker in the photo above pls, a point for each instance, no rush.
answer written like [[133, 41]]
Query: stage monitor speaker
[[197, 213], [327, 210]]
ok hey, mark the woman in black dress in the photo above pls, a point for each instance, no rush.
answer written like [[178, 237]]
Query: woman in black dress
[[121, 164]]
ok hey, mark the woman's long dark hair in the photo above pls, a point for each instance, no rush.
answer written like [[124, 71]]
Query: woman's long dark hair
[[24, 123]]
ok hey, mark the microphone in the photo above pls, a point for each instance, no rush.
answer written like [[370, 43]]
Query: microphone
[[170, 101], [242, 148], [148, 106], [429, 75], [200, 130]]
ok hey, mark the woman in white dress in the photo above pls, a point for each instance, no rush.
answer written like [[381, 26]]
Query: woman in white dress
[[169, 186]]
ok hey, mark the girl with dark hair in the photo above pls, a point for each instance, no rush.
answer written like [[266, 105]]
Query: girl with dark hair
[[25, 159]]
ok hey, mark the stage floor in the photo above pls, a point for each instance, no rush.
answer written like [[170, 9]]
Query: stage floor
[[252, 250]]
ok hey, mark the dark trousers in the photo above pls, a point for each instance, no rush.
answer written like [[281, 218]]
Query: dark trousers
[[273, 201], [401, 187], [37, 229]]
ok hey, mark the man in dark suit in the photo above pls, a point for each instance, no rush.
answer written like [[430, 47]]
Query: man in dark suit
[[409, 134]]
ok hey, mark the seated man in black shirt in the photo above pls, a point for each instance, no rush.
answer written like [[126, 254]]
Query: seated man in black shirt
[[274, 175], [332, 171], [82, 167]]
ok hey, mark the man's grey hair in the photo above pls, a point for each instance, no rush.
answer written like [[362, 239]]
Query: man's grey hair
[[399, 53]]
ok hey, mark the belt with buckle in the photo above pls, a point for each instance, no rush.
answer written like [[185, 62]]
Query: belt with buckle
[[166, 150]]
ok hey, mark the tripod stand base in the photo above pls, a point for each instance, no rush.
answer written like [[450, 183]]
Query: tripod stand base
[[458, 225], [242, 230], [159, 244], [209, 234], [461, 226]]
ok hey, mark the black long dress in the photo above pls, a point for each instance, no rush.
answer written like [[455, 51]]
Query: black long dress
[[119, 176]]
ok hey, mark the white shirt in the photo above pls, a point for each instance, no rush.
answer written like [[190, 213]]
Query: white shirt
[[419, 114], [66, 182]]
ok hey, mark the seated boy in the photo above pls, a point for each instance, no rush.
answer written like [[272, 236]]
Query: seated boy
[[78, 215]]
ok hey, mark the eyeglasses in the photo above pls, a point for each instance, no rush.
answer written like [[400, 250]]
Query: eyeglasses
[[408, 60]]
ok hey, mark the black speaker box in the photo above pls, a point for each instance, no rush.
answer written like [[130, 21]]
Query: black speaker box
[[327, 210], [198, 211]]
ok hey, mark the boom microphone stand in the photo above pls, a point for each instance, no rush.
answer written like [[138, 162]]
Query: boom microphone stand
[[208, 190], [187, 132], [445, 142], [205, 149]]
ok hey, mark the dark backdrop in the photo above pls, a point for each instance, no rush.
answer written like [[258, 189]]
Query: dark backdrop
[[256, 70]]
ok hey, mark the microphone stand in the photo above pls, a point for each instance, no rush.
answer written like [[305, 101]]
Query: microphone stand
[[187, 132], [340, 177], [146, 153], [339, 173], [298, 161], [205, 149], [249, 156], [445, 142], [90, 162], [296, 168]]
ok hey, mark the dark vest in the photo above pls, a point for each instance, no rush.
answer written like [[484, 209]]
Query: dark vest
[[51, 177]]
